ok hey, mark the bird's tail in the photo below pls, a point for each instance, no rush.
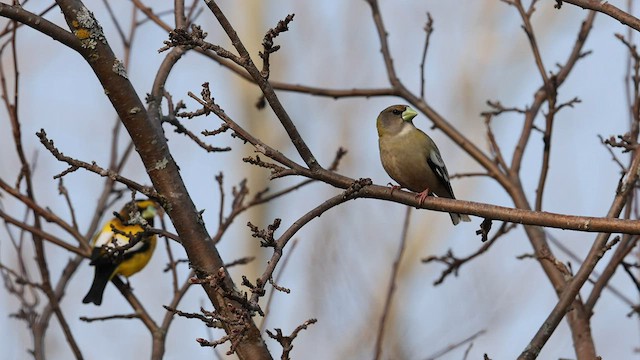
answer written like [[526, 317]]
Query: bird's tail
[[100, 280], [456, 218]]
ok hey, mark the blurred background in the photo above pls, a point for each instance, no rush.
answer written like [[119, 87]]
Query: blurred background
[[339, 270]]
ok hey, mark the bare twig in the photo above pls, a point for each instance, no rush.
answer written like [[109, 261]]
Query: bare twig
[[452, 347], [428, 29], [453, 263], [391, 288], [267, 306], [78, 164], [266, 88], [287, 341], [605, 8], [267, 44]]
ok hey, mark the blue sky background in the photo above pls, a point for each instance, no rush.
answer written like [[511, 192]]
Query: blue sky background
[[339, 270]]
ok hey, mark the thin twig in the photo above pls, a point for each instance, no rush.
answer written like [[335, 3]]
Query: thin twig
[[428, 29], [391, 288], [456, 345], [267, 306]]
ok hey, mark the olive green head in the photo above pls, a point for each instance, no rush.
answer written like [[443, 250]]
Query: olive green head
[[393, 119]]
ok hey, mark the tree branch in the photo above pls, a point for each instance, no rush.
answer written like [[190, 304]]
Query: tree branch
[[606, 8]]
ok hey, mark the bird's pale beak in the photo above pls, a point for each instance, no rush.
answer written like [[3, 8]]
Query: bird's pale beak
[[408, 114], [149, 212]]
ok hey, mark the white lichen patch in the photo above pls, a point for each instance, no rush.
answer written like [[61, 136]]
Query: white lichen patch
[[118, 68], [88, 43], [161, 164], [87, 29], [85, 18]]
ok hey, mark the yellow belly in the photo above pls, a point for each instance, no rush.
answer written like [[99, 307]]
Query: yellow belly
[[137, 261]]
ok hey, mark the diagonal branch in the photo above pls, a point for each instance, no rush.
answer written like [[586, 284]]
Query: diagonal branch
[[40, 24], [596, 252], [150, 143], [606, 8], [266, 88]]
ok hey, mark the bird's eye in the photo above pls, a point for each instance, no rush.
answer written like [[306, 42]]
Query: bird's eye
[[396, 112]]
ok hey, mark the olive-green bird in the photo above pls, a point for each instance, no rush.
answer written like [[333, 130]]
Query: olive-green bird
[[411, 158], [117, 233]]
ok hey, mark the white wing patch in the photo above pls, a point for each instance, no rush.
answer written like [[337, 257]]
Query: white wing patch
[[107, 238], [441, 169], [436, 158]]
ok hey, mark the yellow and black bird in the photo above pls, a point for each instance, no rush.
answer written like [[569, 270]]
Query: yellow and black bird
[[122, 247], [411, 158]]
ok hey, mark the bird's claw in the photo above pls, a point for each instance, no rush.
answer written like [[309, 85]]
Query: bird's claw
[[422, 197], [394, 187]]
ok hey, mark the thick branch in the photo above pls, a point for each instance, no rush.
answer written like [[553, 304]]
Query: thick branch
[[147, 135], [520, 216]]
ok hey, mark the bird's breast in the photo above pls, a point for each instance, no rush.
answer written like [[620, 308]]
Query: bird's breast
[[404, 163]]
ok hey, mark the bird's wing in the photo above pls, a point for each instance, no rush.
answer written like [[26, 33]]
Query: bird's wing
[[437, 166], [140, 247], [110, 239]]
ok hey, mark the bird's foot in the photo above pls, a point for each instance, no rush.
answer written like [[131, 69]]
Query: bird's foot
[[422, 196], [394, 187]]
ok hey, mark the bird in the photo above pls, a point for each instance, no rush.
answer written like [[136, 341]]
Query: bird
[[122, 247], [411, 158]]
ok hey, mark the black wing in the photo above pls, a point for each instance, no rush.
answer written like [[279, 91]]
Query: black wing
[[437, 166]]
